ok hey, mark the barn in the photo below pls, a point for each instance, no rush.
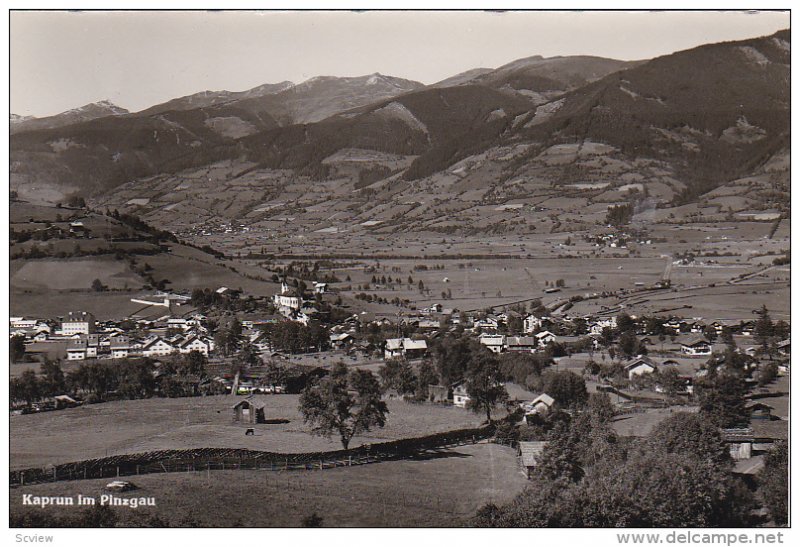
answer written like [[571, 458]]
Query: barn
[[248, 411]]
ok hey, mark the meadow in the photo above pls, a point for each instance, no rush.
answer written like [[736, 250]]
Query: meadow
[[121, 427], [441, 488]]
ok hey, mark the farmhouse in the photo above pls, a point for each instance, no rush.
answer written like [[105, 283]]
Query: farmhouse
[[76, 350], [156, 346], [80, 322], [540, 405], [521, 343], [528, 453], [696, 346], [120, 347], [405, 347], [494, 342], [341, 340], [638, 366], [195, 343]]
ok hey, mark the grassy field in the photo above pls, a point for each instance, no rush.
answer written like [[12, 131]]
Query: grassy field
[[121, 427], [476, 284], [61, 274], [441, 489]]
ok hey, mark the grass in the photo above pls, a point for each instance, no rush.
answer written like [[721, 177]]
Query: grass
[[443, 490], [120, 427], [60, 274]]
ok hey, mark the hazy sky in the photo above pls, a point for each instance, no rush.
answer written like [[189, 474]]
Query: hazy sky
[[61, 60]]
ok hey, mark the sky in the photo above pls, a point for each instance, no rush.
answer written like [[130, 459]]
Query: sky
[[62, 60]]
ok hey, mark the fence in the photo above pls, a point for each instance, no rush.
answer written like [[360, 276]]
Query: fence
[[202, 459]]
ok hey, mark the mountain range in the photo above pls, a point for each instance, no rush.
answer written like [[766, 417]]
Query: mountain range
[[679, 126]]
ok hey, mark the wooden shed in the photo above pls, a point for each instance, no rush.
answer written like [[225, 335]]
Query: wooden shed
[[248, 411], [528, 452]]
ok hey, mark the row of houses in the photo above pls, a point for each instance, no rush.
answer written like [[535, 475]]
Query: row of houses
[[500, 343], [95, 346]]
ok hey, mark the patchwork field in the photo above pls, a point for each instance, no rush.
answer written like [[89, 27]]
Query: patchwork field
[[443, 488], [121, 427]]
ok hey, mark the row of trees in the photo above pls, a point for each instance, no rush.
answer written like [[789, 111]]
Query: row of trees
[[120, 379]]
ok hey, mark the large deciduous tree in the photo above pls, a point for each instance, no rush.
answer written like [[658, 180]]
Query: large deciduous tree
[[484, 384], [345, 403]]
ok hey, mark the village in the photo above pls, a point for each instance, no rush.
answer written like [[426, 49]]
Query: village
[[645, 364]]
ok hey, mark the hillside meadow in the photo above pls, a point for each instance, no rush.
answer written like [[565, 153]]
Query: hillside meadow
[[123, 427]]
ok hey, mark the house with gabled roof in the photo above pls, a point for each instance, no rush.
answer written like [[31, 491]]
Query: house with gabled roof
[[156, 346], [696, 346], [540, 405], [640, 365]]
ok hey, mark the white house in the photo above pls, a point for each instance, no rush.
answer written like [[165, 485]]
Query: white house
[[76, 350], [696, 346], [22, 323], [120, 347], [495, 343], [460, 396], [194, 343], [638, 366], [178, 323], [532, 323], [545, 337], [157, 346]]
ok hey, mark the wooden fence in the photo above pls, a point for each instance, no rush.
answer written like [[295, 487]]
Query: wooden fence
[[202, 459]]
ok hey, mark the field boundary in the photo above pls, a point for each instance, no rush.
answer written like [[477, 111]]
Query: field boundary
[[207, 459]]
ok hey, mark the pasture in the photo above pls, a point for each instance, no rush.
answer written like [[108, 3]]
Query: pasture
[[479, 283], [441, 488], [121, 427], [64, 274]]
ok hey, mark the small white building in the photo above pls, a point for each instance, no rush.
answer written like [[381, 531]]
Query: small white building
[[76, 350], [460, 395], [495, 343], [638, 366], [120, 347], [545, 337]]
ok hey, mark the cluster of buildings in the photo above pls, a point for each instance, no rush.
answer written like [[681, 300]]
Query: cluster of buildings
[[86, 338], [290, 302]]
